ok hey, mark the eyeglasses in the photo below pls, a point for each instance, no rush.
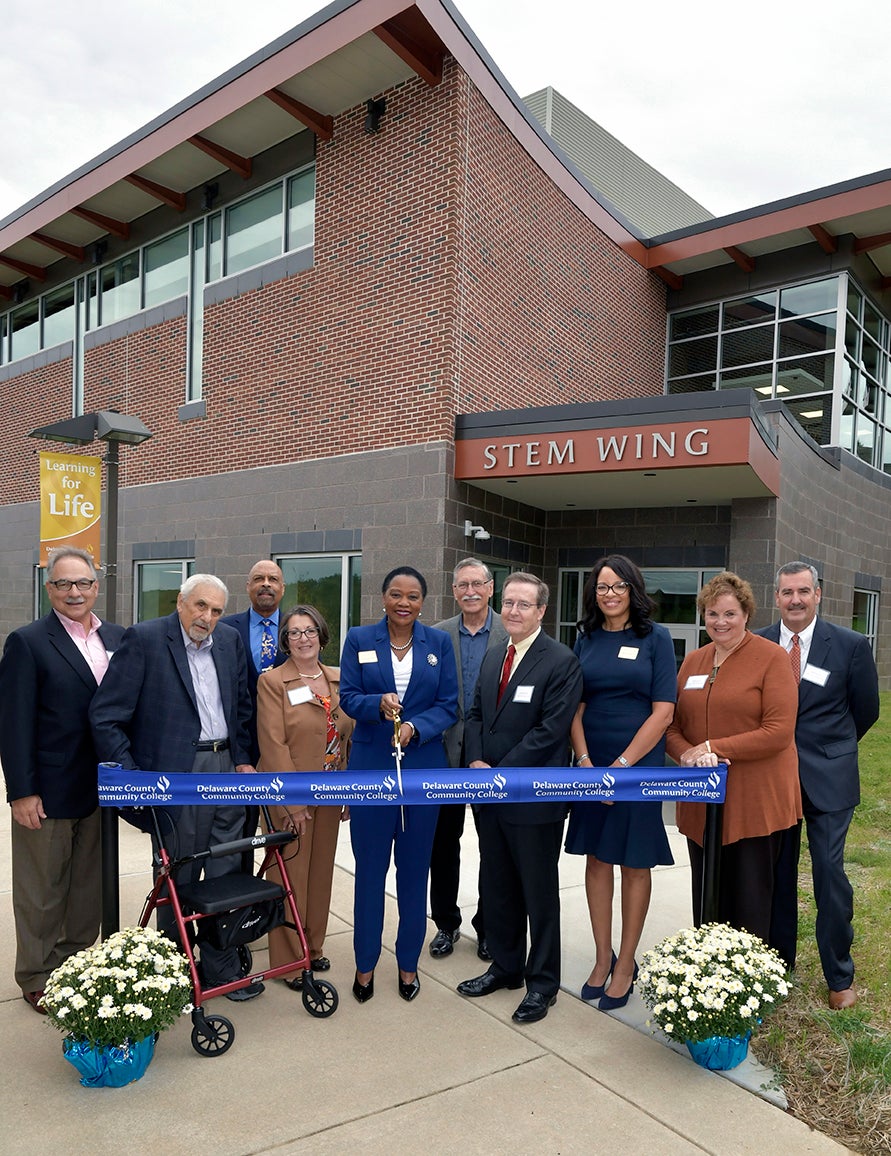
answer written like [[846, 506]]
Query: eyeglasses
[[310, 632], [616, 587], [65, 584], [523, 607], [476, 584]]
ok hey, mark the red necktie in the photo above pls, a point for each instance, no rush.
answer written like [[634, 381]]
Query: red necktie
[[505, 671], [795, 658]]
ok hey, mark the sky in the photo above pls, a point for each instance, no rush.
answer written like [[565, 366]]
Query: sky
[[738, 104]]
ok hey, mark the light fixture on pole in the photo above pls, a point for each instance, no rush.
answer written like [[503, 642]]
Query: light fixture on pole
[[113, 428]]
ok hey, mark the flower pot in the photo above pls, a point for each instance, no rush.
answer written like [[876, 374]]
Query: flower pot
[[720, 1053], [109, 1065]]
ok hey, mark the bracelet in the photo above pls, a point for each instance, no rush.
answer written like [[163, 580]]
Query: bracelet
[[414, 729], [622, 761], [708, 746], [578, 758]]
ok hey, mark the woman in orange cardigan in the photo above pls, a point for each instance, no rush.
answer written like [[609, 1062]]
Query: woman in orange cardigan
[[300, 727], [737, 703]]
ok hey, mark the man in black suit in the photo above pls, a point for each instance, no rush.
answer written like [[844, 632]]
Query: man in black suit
[[838, 701], [526, 698], [473, 632], [176, 699], [48, 675]]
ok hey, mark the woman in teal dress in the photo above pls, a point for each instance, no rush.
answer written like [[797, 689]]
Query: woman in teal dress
[[630, 690]]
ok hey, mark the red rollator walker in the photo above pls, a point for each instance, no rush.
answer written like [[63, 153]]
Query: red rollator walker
[[233, 911]]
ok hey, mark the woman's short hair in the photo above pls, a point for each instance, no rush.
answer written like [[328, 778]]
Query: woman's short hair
[[727, 583], [409, 572], [284, 643]]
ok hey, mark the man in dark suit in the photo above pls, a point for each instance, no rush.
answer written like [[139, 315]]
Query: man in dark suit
[[525, 701], [473, 632], [176, 699], [838, 701], [258, 628], [48, 675]]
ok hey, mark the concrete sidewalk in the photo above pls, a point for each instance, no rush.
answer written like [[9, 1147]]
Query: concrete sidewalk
[[389, 1077]]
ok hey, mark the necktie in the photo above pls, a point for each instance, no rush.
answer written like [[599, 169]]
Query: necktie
[[267, 645], [795, 658], [505, 671]]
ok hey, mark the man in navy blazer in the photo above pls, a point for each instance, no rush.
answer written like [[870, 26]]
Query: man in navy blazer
[[48, 675], [176, 700], [526, 697], [838, 701]]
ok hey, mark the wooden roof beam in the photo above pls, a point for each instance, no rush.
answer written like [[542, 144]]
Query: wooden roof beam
[[243, 166], [824, 239], [316, 122], [76, 252], [672, 280], [108, 224], [745, 262], [166, 196], [865, 244], [425, 60], [34, 271]]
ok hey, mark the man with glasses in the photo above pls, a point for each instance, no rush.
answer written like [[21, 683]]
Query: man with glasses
[[48, 675], [526, 698], [473, 632]]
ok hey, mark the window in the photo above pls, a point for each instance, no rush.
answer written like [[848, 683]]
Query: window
[[24, 324], [865, 619], [119, 289], [156, 586], [58, 316], [41, 598], [166, 269], [254, 230], [301, 210], [332, 583]]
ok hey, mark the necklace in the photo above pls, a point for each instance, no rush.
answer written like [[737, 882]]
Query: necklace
[[405, 647], [310, 677]]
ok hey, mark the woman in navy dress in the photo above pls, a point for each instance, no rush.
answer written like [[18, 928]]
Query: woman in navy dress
[[397, 667], [630, 690]]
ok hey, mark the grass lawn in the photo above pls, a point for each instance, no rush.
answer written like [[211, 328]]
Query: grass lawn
[[836, 1066]]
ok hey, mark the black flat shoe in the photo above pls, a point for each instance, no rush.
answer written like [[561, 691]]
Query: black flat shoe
[[323, 963], [363, 991], [295, 984], [408, 991]]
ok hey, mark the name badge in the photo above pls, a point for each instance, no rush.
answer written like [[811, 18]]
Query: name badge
[[367, 656], [523, 694], [815, 674], [629, 651], [695, 681], [299, 694]]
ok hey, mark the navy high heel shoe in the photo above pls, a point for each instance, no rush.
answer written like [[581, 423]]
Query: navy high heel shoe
[[613, 1003], [595, 991]]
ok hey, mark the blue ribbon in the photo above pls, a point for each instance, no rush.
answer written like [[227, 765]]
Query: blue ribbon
[[120, 788]]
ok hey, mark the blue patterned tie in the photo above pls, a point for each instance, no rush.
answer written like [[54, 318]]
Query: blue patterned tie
[[267, 645]]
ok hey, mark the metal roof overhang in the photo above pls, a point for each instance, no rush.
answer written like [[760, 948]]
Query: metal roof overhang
[[646, 452]]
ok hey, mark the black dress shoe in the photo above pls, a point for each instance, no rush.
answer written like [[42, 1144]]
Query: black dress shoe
[[443, 942], [482, 950], [363, 991], [486, 983], [533, 1008], [323, 963], [408, 991], [243, 994]]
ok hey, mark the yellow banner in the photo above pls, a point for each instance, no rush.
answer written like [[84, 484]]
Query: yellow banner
[[70, 503]]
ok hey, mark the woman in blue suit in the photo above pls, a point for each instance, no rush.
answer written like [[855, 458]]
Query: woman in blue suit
[[396, 667]]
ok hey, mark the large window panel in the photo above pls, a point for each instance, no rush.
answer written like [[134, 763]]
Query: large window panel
[[254, 230], [694, 323], [167, 269], [817, 297], [814, 415], [805, 374], [332, 584], [301, 209], [750, 310], [807, 335], [747, 346], [25, 330], [58, 316], [751, 377], [119, 289], [156, 587], [689, 357]]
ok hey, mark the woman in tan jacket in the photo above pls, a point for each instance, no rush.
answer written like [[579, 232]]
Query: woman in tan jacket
[[737, 703], [300, 727]]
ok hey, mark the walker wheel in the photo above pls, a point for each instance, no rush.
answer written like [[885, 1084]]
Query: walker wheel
[[320, 998], [213, 1035]]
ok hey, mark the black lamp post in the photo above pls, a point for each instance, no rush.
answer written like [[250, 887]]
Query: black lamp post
[[113, 428]]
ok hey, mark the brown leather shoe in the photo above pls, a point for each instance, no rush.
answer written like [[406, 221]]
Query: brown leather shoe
[[32, 998], [842, 999]]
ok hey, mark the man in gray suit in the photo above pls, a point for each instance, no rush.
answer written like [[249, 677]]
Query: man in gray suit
[[838, 701], [176, 699], [473, 632], [48, 674]]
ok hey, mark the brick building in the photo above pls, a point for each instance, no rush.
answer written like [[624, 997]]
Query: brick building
[[368, 307]]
